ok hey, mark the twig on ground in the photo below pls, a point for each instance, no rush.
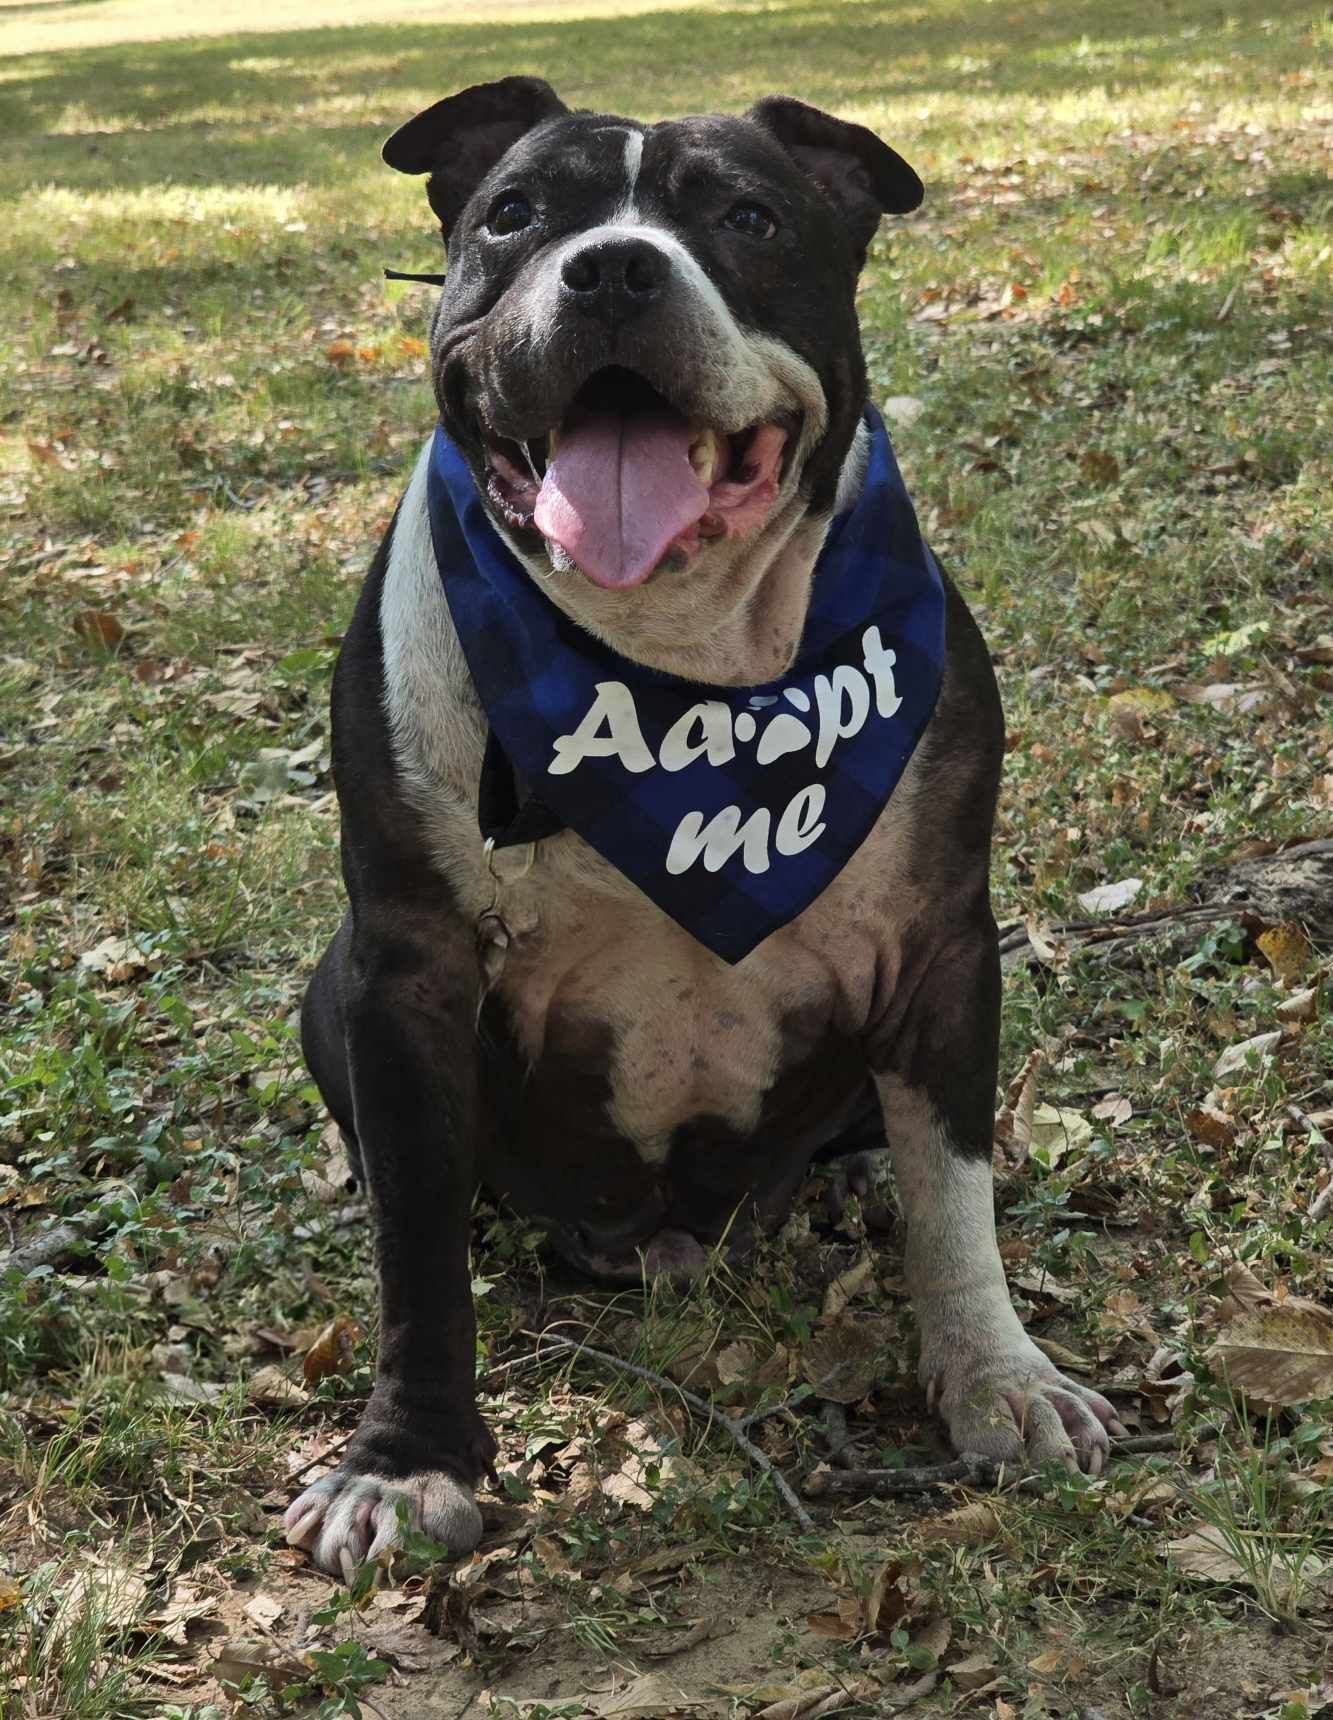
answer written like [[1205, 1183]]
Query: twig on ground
[[969, 1470], [727, 1423], [63, 1241], [765, 1412]]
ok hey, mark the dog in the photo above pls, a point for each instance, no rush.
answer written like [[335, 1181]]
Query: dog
[[667, 762]]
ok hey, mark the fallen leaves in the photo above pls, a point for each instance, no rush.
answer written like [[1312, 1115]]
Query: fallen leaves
[[1287, 951], [1211, 1553], [1278, 1355], [1110, 898], [99, 628], [332, 1351], [1013, 1121], [1246, 1054], [845, 1358]]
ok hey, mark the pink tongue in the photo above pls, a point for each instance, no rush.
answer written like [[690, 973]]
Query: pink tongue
[[618, 491]]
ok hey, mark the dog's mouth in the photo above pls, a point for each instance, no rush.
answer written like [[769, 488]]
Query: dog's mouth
[[625, 483]]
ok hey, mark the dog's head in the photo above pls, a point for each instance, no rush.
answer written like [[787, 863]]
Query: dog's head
[[647, 348]]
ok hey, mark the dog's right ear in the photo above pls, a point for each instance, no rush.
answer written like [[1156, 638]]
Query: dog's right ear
[[459, 140]]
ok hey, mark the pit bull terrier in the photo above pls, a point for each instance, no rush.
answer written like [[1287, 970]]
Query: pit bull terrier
[[667, 761]]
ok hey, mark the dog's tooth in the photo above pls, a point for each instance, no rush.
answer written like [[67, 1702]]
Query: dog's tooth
[[703, 454], [552, 443]]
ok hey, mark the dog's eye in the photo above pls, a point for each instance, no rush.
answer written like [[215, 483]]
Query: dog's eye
[[510, 213], [752, 219]]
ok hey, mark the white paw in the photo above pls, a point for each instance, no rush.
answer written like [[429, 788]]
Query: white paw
[[345, 1519], [1017, 1407]]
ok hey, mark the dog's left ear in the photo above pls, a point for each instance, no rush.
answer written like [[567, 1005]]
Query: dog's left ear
[[459, 140], [860, 175]]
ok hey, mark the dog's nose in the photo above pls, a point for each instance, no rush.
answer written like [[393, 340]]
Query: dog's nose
[[614, 279]]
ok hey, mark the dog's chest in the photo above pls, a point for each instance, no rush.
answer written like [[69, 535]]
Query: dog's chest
[[588, 971], [592, 971]]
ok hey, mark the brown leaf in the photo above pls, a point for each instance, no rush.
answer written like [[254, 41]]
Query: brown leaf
[[1013, 1121], [1279, 1355], [736, 1362], [843, 1359], [331, 1352], [973, 1671], [1097, 464], [967, 1526], [271, 1386], [847, 1285], [1211, 1126], [1062, 1357], [99, 628], [340, 352], [695, 1632], [188, 1604]]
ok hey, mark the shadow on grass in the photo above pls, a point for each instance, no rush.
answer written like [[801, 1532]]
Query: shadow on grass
[[268, 107]]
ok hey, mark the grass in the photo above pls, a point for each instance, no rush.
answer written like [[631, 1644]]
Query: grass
[[1114, 311]]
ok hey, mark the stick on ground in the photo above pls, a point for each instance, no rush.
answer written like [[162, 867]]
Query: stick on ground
[[727, 1423]]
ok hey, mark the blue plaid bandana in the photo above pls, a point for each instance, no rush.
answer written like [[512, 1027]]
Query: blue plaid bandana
[[732, 808]]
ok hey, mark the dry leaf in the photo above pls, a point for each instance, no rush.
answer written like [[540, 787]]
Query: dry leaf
[[696, 1632], [10, 1594], [736, 1362], [187, 1604], [98, 627], [331, 1352], [903, 409], [843, 1359], [1062, 1357], [1300, 1006], [934, 1636], [848, 1285], [246, 1657], [1013, 1121], [1287, 951], [340, 351], [1246, 1289], [967, 1526], [1280, 1355], [972, 1672], [110, 1594], [1109, 898], [271, 1386], [1057, 1130], [644, 1698], [116, 959], [263, 1612], [1211, 1126], [1235, 1060]]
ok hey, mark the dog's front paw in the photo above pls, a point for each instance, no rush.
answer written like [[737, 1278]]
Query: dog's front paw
[[347, 1518], [1017, 1407]]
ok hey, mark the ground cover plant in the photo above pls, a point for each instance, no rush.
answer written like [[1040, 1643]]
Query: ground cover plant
[[1104, 345]]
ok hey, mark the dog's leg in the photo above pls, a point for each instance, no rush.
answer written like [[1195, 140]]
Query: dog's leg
[[421, 1445], [996, 1391]]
